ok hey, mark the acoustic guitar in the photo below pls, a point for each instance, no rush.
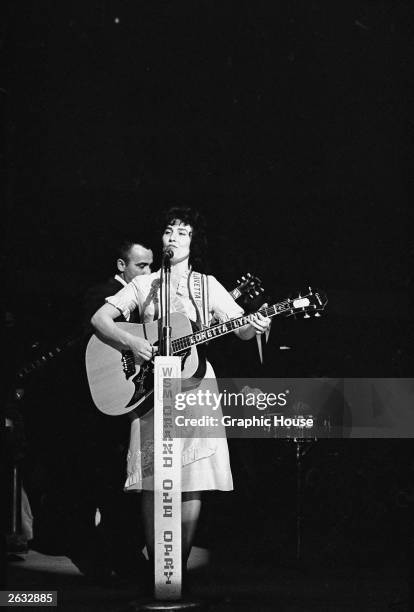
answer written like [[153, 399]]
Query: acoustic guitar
[[118, 385]]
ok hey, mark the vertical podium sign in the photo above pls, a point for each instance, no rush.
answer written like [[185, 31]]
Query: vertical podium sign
[[167, 480]]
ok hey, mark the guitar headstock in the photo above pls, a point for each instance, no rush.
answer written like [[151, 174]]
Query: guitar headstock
[[248, 285], [312, 303]]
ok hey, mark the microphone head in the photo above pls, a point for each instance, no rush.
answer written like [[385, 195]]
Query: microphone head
[[168, 253]]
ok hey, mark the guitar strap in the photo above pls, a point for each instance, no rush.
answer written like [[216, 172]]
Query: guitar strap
[[198, 292]]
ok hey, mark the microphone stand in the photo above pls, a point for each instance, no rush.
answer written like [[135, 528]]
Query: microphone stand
[[165, 305], [167, 524]]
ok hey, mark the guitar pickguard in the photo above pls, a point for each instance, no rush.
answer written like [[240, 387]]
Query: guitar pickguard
[[142, 382], [183, 356]]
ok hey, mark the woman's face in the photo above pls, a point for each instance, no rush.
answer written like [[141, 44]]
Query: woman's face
[[177, 235]]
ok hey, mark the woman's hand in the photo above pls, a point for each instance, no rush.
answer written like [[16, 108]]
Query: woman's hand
[[259, 322], [142, 349]]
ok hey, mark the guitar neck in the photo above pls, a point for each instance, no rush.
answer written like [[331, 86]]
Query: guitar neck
[[220, 329], [45, 358]]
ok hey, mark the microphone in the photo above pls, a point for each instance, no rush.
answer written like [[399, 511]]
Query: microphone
[[167, 254]]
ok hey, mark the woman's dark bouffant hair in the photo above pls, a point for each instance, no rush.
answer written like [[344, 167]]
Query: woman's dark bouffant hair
[[192, 217]]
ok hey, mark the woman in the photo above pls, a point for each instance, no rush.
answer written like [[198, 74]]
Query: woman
[[205, 462]]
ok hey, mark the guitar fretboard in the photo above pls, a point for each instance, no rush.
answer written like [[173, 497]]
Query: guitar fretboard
[[181, 344]]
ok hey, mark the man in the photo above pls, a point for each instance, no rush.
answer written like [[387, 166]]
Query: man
[[132, 259], [108, 537]]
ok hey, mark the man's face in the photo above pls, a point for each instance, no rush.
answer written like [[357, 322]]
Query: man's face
[[139, 262]]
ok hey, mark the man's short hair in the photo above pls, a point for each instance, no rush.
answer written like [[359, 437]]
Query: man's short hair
[[124, 247]]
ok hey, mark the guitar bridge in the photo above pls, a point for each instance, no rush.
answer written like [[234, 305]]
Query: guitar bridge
[[128, 364]]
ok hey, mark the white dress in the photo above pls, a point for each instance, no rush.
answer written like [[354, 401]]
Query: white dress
[[205, 461]]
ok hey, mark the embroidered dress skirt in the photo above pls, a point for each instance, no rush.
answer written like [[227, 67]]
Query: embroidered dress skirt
[[205, 460]]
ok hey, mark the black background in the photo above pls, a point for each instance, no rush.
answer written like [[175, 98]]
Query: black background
[[289, 124]]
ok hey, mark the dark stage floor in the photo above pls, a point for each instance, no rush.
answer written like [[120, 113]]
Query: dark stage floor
[[228, 586]]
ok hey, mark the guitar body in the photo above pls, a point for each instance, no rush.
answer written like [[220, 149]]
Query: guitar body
[[118, 385]]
